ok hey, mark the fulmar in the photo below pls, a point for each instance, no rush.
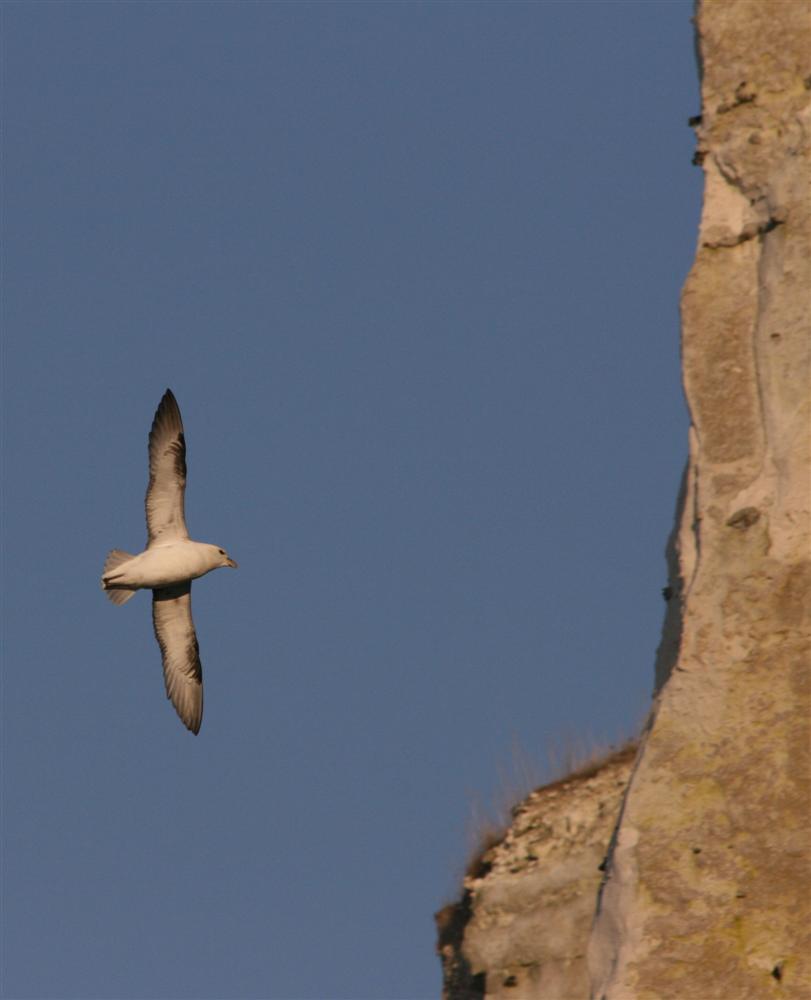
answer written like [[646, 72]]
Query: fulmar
[[168, 565]]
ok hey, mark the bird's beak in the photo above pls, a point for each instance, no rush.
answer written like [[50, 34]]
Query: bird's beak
[[231, 563]]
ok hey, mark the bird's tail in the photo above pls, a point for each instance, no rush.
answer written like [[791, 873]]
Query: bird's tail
[[118, 594]]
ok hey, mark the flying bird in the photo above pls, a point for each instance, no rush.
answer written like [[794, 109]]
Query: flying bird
[[168, 565]]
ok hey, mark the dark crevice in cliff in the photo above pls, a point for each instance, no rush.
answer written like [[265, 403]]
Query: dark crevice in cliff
[[459, 981], [674, 594]]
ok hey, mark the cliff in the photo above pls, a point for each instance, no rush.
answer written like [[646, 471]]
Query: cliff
[[706, 890], [522, 925]]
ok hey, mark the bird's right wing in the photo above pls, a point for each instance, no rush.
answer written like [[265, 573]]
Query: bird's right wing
[[165, 517], [182, 671]]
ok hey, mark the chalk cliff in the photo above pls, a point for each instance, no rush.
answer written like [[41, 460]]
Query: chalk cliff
[[706, 890], [522, 925]]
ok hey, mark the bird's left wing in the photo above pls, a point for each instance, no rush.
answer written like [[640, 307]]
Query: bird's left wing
[[165, 517], [182, 672]]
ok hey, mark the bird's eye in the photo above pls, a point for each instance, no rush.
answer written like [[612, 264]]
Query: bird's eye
[[222, 552]]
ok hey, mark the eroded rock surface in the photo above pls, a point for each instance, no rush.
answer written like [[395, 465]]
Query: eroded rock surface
[[522, 926], [708, 888]]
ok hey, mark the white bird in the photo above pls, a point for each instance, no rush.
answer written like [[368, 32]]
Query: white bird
[[168, 565]]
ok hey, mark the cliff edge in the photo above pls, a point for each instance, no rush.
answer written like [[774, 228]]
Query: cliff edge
[[706, 888], [522, 926]]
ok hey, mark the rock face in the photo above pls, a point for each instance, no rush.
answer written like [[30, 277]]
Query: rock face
[[707, 887], [522, 927]]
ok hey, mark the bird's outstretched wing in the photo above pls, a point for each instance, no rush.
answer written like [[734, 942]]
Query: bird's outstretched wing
[[182, 672], [165, 519]]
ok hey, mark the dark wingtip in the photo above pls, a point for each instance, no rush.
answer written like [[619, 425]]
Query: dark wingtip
[[167, 399], [168, 410], [194, 722]]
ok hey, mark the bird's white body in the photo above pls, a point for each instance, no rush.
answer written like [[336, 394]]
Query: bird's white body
[[164, 565]]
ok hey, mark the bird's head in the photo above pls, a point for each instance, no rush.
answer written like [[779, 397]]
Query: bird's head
[[225, 559]]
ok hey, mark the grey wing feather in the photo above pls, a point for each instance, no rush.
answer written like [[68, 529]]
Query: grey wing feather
[[182, 671], [165, 517]]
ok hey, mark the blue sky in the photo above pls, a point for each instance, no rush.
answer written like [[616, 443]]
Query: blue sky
[[412, 271]]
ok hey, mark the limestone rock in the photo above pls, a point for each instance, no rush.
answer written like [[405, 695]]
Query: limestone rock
[[522, 926], [708, 888]]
